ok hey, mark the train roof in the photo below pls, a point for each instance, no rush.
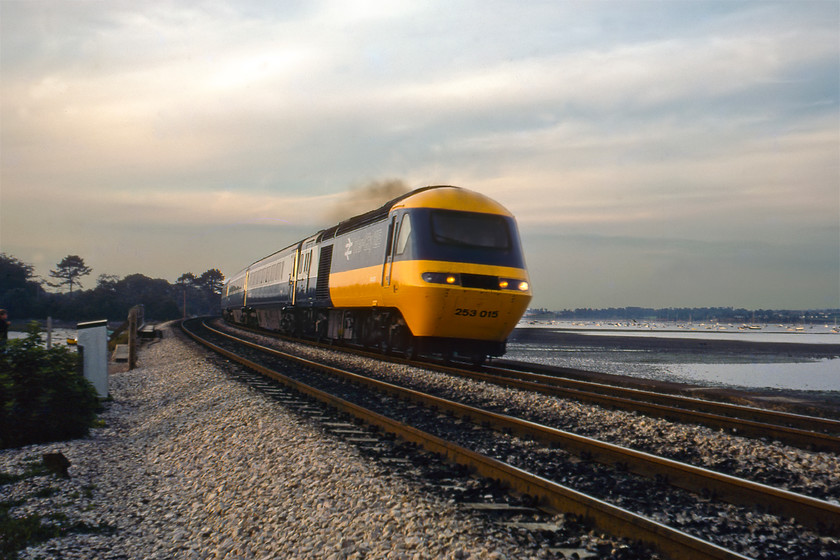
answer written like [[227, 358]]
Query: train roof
[[436, 196], [451, 198]]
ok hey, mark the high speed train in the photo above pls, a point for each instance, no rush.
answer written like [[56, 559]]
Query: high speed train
[[439, 270]]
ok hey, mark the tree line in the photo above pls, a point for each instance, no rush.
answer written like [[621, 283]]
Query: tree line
[[693, 314], [24, 295]]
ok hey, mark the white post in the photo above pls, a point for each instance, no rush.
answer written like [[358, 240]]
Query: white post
[[93, 338]]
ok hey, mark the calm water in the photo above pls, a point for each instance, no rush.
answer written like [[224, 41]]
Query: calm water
[[802, 334], [59, 336], [776, 371]]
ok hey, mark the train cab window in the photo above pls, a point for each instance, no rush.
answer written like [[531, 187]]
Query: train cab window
[[405, 234], [469, 229]]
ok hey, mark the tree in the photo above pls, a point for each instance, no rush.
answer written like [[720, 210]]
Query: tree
[[211, 284], [13, 272], [158, 296], [187, 281], [213, 280], [107, 282], [202, 294], [69, 270], [20, 292]]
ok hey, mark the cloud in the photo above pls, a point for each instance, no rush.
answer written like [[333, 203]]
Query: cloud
[[706, 122], [155, 208]]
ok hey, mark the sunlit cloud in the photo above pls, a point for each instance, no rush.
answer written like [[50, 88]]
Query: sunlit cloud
[[707, 123]]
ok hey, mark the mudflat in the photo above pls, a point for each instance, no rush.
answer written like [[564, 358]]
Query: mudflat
[[820, 403]]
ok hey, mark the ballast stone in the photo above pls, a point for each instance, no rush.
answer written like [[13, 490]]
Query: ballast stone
[[191, 464]]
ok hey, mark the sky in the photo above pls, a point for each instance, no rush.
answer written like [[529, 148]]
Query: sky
[[655, 154]]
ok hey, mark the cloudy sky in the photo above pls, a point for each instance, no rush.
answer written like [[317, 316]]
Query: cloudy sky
[[661, 154]]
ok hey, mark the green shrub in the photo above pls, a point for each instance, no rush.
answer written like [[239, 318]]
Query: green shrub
[[43, 394]]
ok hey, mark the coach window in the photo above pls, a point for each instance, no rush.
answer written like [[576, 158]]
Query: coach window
[[405, 234]]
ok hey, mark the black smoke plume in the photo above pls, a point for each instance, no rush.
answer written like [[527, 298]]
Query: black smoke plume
[[359, 200]]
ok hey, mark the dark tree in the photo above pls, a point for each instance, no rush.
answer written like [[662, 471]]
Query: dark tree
[[157, 295], [20, 292], [187, 282], [201, 295], [213, 280], [69, 270], [107, 282], [14, 273], [211, 284]]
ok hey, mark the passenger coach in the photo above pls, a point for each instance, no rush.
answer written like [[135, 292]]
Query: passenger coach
[[439, 270]]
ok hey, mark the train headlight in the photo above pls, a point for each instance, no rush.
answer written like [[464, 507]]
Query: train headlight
[[513, 284], [441, 278]]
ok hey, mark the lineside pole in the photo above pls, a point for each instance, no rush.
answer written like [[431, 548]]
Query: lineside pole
[[132, 338]]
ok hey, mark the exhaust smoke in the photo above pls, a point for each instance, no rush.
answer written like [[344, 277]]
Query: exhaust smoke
[[359, 200]]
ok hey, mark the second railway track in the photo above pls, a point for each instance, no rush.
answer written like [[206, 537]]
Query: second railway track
[[795, 429], [815, 513], [804, 431]]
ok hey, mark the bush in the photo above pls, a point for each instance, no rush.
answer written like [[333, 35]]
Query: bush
[[43, 395]]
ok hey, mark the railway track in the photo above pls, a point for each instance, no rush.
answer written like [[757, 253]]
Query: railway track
[[803, 431], [807, 432], [552, 495], [646, 440], [573, 378]]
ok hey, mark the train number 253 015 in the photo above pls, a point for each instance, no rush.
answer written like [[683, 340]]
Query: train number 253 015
[[464, 312]]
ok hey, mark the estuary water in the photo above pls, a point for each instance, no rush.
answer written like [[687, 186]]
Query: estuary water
[[59, 336], [752, 356]]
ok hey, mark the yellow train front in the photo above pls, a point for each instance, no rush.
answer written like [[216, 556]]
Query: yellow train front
[[450, 277], [437, 271]]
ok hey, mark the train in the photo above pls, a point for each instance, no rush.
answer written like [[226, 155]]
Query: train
[[437, 271]]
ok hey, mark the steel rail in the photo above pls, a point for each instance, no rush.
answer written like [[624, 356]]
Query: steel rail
[[553, 497], [791, 436], [792, 429], [809, 511], [776, 417]]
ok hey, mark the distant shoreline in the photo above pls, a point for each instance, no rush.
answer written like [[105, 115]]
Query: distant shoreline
[[655, 342]]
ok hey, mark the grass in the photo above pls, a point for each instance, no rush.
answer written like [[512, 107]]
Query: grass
[[32, 469], [21, 532], [17, 533]]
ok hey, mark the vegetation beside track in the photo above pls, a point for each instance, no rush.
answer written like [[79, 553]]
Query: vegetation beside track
[[43, 394]]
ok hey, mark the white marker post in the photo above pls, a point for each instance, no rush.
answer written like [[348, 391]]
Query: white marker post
[[92, 340]]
